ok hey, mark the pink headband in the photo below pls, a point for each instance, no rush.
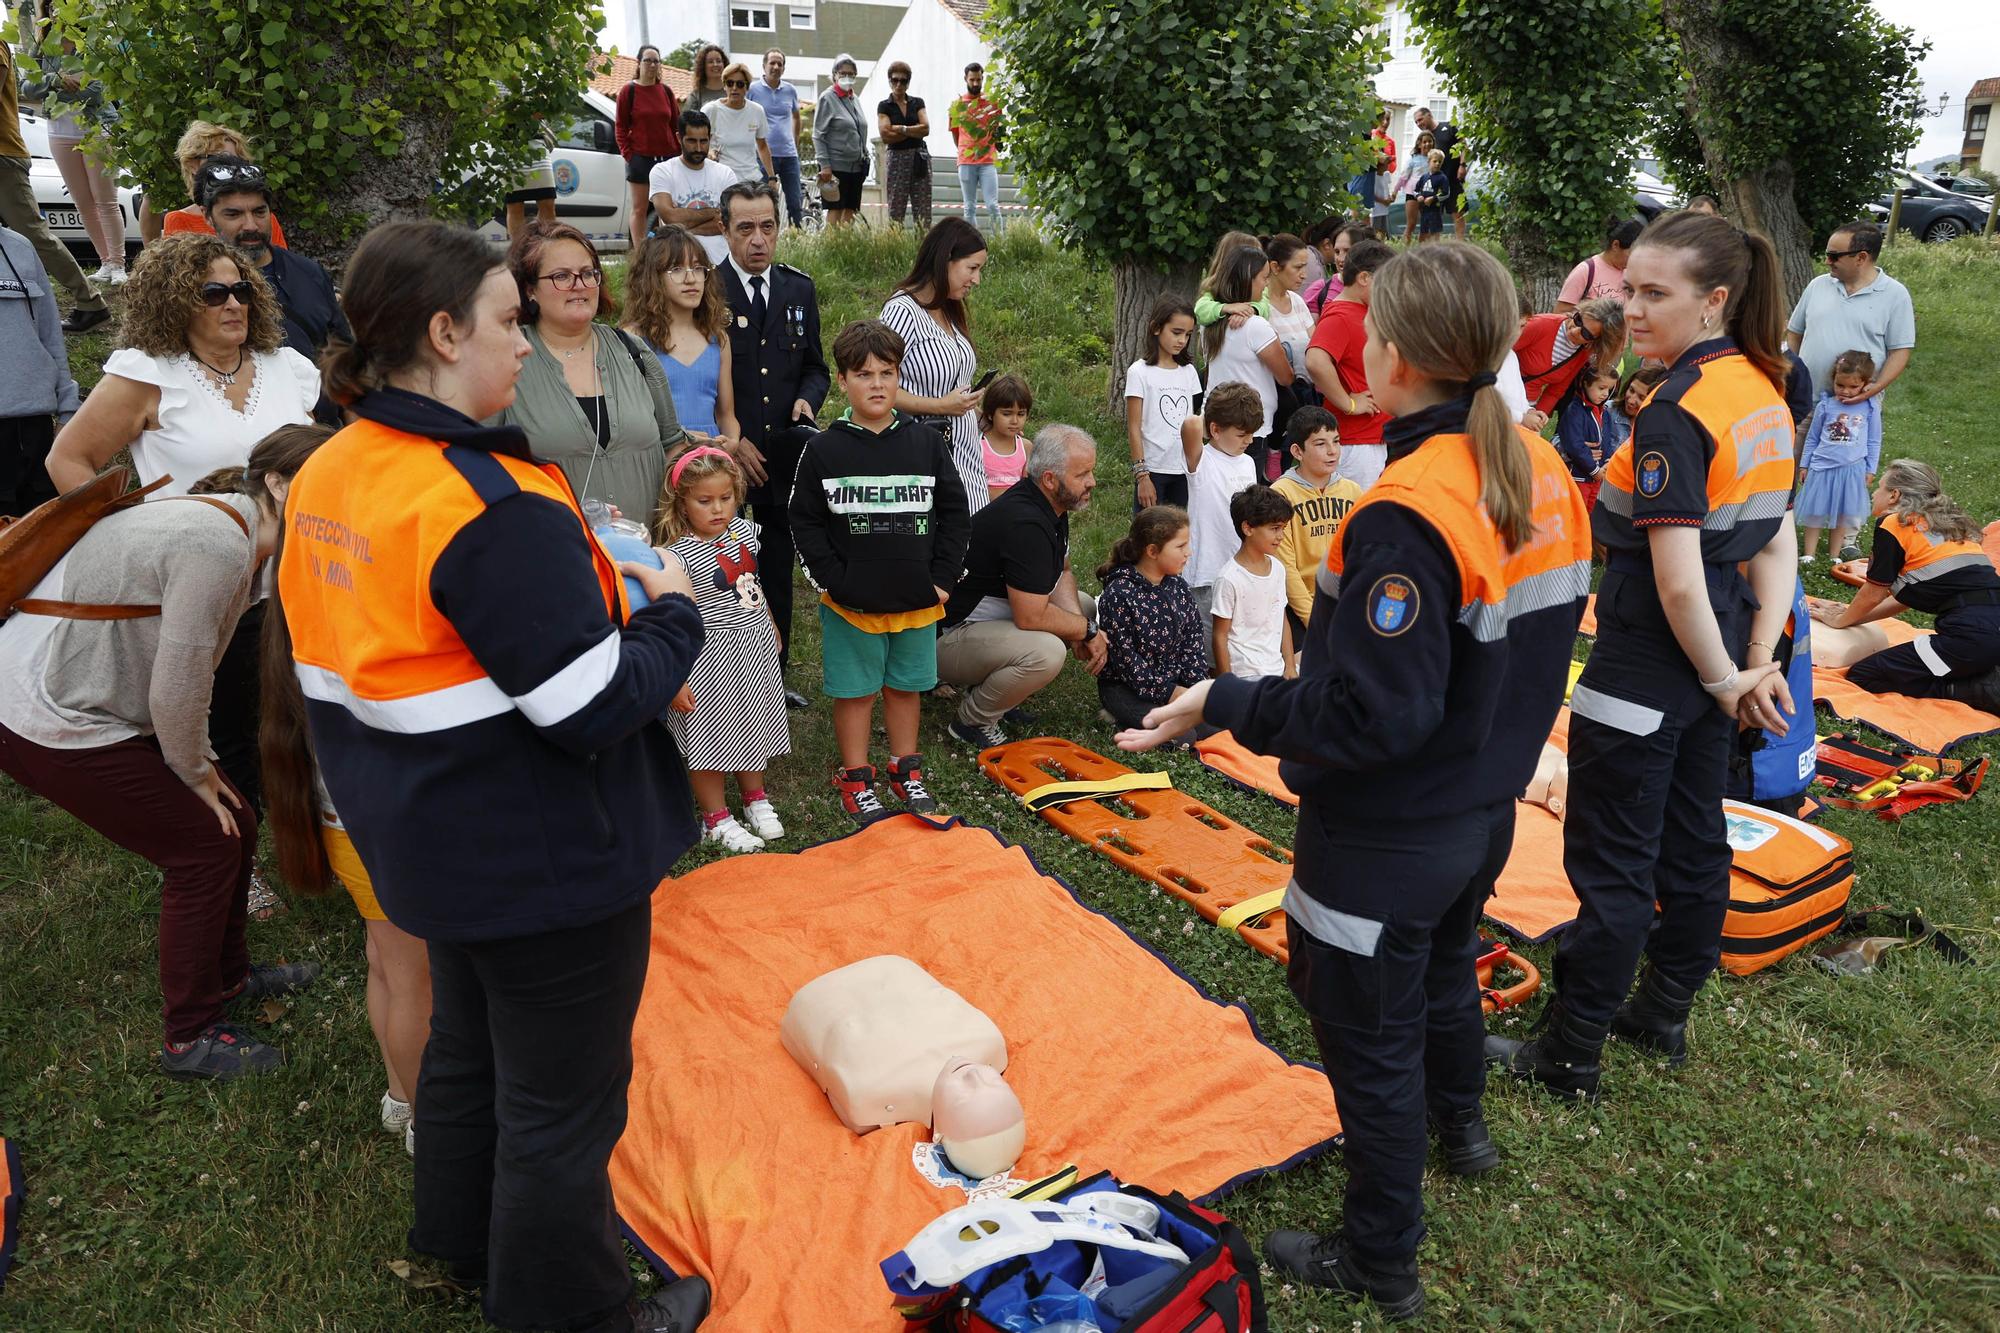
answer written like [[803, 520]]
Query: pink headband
[[680, 464]]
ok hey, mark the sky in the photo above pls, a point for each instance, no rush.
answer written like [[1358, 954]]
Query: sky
[[1963, 51]]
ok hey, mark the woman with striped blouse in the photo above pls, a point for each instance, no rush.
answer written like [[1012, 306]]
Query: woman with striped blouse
[[928, 311]]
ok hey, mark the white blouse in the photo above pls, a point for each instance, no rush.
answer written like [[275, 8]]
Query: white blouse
[[199, 431]]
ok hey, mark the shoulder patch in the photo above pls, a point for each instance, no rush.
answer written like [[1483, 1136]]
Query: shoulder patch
[[1392, 605], [1652, 473], [795, 272]]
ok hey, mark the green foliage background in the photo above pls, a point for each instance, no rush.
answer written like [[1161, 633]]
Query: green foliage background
[[1553, 95], [1830, 87], [361, 110], [1147, 130]]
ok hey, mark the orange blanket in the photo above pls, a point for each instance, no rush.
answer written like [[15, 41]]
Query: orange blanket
[[11, 1190], [733, 1165], [1532, 899], [1926, 724]]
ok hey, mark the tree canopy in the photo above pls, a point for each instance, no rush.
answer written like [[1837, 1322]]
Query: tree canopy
[[360, 110]]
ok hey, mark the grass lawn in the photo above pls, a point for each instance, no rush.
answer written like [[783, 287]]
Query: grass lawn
[[1827, 1160]]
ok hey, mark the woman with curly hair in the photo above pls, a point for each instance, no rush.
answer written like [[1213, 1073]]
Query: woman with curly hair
[[201, 376], [674, 301], [593, 401]]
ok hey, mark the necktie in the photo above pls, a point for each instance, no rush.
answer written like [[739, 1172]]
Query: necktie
[[757, 301]]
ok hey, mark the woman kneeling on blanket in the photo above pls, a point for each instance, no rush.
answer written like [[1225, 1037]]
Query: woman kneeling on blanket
[[1434, 666], [1926, 558]]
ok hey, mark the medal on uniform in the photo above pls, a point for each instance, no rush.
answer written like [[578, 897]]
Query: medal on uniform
[[742, 321]]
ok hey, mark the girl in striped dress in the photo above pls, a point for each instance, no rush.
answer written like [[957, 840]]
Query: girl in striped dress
[[730, 717]]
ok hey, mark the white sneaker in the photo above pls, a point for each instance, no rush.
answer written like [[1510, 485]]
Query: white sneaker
[[108, 276], [410, 1138], [119, 276], [733, 836], [763, 820], [396, 1116]]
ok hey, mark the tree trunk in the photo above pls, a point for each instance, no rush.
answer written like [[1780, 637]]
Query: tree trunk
[[1536, 272], [1757, 195], [1137, 285]]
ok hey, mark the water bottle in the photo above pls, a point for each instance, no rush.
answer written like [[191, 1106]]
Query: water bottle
[[625, 540]]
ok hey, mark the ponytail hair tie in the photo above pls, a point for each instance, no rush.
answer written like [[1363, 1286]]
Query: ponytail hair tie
[[699, 451], [1483, 380]]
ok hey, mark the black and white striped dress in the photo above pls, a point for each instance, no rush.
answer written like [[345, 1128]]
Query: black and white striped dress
[[738, 724], [937, 360]]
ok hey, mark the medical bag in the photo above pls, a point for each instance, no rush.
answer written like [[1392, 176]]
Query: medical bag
[[1789, 883], [1118, 1258]]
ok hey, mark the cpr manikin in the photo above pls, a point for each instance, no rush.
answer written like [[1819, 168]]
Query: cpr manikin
[[881, 1037], [977, 1119]]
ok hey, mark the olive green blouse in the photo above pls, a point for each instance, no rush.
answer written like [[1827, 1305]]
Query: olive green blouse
[[629, 469]]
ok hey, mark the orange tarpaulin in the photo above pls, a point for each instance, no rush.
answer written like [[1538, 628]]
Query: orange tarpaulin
[[733, 1164], [11, 1189], [1926, 724], [1533, 898]]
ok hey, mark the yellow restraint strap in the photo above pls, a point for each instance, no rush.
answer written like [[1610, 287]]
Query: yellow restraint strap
[[1575, 670], [1062, 793], [1047, 1187], [1251, 910]]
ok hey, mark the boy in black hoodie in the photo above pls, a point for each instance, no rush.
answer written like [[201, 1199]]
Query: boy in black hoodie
[[881, 524]]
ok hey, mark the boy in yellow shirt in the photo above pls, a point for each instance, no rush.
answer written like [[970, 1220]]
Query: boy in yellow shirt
[[1318, 504]]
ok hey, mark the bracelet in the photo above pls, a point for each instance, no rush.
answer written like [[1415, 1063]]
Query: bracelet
[[1770, 648], [1139, 468], [1722, 686]]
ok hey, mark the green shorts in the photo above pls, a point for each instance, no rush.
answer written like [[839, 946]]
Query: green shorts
[[855, 664]]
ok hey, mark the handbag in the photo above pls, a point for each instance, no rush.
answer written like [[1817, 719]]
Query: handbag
[[829, 192]]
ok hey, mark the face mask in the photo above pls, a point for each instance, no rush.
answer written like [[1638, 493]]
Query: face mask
[[844, 83]]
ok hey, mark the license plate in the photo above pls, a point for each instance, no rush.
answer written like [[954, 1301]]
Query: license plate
[[63, 217]]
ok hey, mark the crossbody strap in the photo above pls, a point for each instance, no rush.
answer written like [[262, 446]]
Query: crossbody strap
[[49, 606]]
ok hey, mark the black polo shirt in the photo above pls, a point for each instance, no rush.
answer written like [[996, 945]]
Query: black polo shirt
[[305, 294], [1018, 541]]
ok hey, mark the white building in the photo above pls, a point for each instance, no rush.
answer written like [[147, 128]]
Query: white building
[[1406, 82], [937, 39]]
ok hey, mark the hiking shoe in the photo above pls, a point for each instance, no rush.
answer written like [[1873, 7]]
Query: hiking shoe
[[1327, 1262], [396, 1116], [762, 817], [1468, 1149], [732, 836], [980, 737], [83, 321], [906, 780], [1563, 1054], [856, 789], [1656, 1017], [1850, 552], [271, 979], [222, 1053], [678, 1307]]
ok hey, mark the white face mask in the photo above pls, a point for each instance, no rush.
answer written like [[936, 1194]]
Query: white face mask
[[845, 83]]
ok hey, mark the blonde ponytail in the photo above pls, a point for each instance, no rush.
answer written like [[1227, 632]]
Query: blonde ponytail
[[1450, 309]]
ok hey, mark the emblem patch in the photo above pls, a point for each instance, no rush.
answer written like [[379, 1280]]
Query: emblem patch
[[1392, 605], [1652, 474]]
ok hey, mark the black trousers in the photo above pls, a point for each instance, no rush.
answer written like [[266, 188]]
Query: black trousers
[[520, 1102], [1965, 647], [236, 704], [24, 463], [771, 508], [1169, 488], [1648, 760], [1382, 959]]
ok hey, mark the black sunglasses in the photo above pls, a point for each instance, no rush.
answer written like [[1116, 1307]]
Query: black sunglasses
[[899, 78], [736, 83], [1832, 255], [214, 294]]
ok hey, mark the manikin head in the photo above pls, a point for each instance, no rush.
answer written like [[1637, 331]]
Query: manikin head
[[977, 1119]]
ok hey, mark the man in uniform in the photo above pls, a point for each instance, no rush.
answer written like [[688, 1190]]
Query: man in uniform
[[780, 378]]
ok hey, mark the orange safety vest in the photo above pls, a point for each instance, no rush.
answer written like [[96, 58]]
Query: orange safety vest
[[1925, 556], [365, 520], [1749, 477], [1439, 481]]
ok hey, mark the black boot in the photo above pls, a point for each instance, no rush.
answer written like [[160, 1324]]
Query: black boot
[[1468, 1149], [1981, 692], [678, 1307], [1561, 1053], [1655, 1018], [1326, 1262]]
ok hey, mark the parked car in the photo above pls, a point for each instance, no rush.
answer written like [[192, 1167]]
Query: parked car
[[1930, 211], [591, 194], [52, 196]]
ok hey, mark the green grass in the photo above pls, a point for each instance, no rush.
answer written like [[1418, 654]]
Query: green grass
[[1828, 1159]]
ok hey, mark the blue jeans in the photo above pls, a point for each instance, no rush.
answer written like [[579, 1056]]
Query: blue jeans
[[977, 180], [788, 177]]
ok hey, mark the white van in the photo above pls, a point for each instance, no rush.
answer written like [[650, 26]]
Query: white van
[[591, 193]]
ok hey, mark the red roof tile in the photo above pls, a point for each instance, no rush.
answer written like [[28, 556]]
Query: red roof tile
[[1984, 88], [972, 13]]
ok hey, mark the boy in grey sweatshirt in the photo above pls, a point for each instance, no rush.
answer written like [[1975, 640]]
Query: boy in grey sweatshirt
[[37, 394]]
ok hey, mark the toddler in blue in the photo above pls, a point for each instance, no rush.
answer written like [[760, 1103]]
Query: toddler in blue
[[1842, 448]]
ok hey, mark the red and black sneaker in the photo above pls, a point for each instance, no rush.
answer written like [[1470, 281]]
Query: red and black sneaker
[[856, 789], [906, 780]]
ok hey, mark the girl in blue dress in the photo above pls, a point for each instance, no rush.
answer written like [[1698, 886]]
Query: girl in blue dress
[[674, 301]]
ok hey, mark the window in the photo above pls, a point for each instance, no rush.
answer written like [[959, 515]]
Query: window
[[753, 18], [802, 18]]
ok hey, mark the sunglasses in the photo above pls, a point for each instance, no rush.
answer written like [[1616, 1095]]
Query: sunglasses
[[736, 83], [216, 294], [1832, 255], [250, 173], [571, 279], [898, 78]]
